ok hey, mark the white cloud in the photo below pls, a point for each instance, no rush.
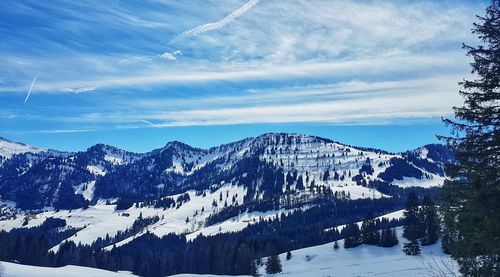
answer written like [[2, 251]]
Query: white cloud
[[340, 103], [218, 24], [363, 67], [79, 90], [171, 55], [283, 61]]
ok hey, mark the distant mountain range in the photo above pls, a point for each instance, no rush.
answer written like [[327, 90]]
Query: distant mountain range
[[267, 167]]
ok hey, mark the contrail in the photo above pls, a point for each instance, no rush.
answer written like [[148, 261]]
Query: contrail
[[149, 123], [31, 88], [217, 25]]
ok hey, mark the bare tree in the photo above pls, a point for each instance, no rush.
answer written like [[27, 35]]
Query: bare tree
[[435, 267], [2, 269]]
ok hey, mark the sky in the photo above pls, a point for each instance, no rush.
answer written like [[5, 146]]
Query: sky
[[137, 74]]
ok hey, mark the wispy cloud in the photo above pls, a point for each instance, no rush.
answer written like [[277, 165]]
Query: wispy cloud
[[341, 62], [369, 66], [218, 24]]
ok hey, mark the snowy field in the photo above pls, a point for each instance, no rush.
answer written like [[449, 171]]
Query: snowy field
[[366, 260], [17, 270], [322, 260]]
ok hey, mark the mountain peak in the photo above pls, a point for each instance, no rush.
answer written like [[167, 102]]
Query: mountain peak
[[9, 148]]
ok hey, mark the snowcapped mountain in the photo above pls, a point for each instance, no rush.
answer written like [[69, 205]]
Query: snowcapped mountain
[[267, 166], [9, 148], [290, 187], [38, 178]]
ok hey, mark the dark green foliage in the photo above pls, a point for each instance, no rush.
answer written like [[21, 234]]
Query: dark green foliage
[[354, 235], [300, 183], [326, 175], [421, 223], [412, 229], [388, 238], [288, 255], [124, 203], [369, 234], [400, 168], [412, 248], [273, 265], [366, 168], [431, 222], [471, 209], [31, 245]]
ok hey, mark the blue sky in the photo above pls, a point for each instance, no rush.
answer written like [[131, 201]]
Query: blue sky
[[137, 74]]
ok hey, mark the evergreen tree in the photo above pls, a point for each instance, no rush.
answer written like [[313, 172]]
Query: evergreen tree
[[288, 255], [388, 238], [412, 248], [273, 265], [412, 229], [353, 234], [412, 222], [326, 175], [300, 183], [431, 223], [335, 245], [243, 262], [369, 233], [471, 210]]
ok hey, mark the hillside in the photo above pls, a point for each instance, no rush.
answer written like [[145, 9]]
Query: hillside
[[266, 166], [367, 260], [221, 206]]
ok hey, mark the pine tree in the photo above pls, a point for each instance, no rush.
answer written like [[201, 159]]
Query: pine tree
[[471, 210], [388, 238], [353, 234], [288, 255], [369, 233], [412, 222], [326, 175], [273, 265], [300, 183], [431, 223], [412, 248], [335, 245]]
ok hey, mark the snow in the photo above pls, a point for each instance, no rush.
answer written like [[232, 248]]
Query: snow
[[390, 216], [96, 170], [364, 260], [86, 190], [206, 275], [321, 260], [236, 224], [19, 270], [436, 181], [114, 159], [358, 192], [101, 219], [311, 157], [9, 148]]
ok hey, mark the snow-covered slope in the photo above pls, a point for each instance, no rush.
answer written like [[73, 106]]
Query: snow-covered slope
[[189, 218], [366, 260], [19, 270], [9, 148]]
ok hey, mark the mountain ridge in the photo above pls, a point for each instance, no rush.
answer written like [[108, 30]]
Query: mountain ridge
[[269, 166]]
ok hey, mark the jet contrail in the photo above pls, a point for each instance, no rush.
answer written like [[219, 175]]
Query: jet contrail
[[31, 88], [149, 123], [219, 24]]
